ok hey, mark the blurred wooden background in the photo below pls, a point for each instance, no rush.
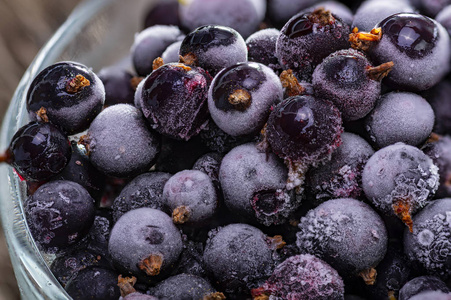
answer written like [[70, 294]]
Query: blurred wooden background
[[25, 26]]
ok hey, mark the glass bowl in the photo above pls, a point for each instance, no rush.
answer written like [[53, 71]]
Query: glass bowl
[[98, 33]]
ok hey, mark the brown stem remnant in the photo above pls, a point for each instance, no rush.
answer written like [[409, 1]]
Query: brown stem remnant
[[151, 265], [369, 276], [276, 242], [6, 157], [76, 84], [291, 84], [188, 59], [391, 295], [42, 115], [240, 99], [126, 285], [157, 62], [259, 294], [364, 40], [85, 141], [135, 81], [379, 72], [214, 296], [402, 209], [433, 138], [181, 214], [321, 16]]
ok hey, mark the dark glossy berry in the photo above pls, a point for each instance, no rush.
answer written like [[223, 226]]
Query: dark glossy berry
[[242, 15], [429, 243], [150, 44], [118, 86], [163, 13], [304, 130], [174, 100], [349, 80], [213, 48], [240, 97], [341, 176], [440, 153], [400, 180], [347, 234], [119, 142], [145, 243], [371, 13], [67, 265], [59, 214], [422, 284], [419, 48], [145, 190], [70, 93], [80, 170], [253, 184], [94, 283], [400, 117], [183, 287], [261, 48], [190, 197], [238, 257], [38, 151], [308, 38], [303, 277]]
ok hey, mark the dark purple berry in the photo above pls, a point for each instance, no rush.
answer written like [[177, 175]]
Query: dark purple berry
[[59, 214], [38, 151], [150, 44], [240, 97], [302, 277], [174, 100], [119, 142], [261, 48], [400, 180], [163, 13], [94, 283], [346, 233], [308, 38], [118, 86], [68, 94], [440, 153], [421, 284], [213, 48], [429, 242]]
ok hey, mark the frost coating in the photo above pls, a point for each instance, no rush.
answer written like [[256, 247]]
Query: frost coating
[[430, 242], [239, 257], [303, 277], [120, 142], [249, 176], [421, 284], [346, 233], [399, 172], [171, 54], [182, 286]]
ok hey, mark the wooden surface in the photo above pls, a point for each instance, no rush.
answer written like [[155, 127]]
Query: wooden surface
[[25, 26]]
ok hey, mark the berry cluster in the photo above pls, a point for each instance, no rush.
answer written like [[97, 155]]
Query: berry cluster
[[306, 161]]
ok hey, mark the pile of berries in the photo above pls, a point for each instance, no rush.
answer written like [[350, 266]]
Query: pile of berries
[[306, 160]]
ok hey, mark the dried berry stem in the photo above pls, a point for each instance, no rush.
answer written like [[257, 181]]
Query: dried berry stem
[[322, 17], [6, 157], [126, 285], [157, 62], [378, 73], [85, 141], [151, 265], [188, 59], [433, 137], [76, 84], [369, 276], [364, 40], [259, 294], [290, 83], [42, 115], [402, 209], [181, 214], [214, 296], [276, 242], [240, 99]]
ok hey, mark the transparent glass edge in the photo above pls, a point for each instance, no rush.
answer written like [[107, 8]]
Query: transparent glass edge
[[29, 257]]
